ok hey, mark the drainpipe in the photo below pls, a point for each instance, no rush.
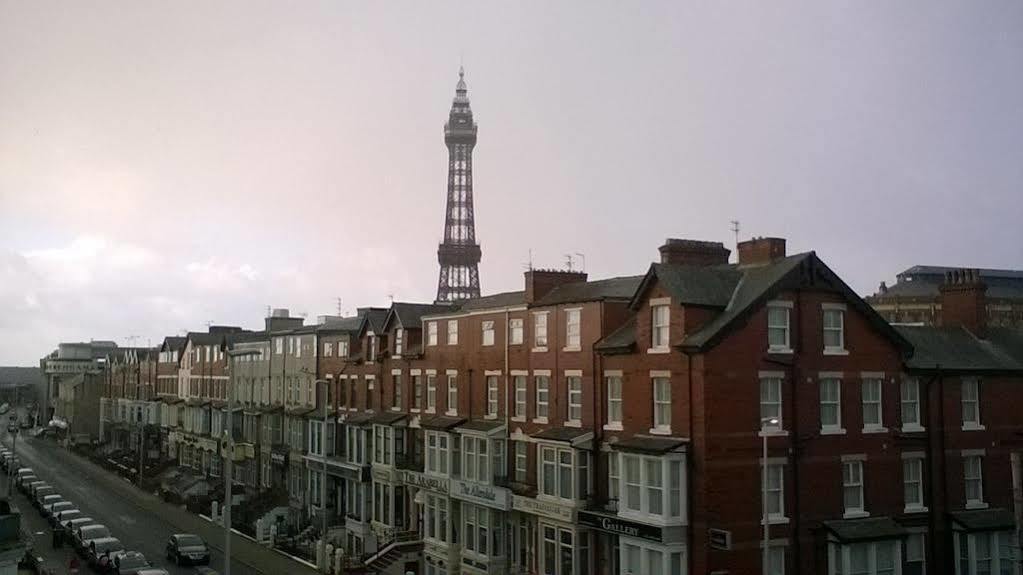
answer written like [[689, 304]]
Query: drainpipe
[[507, 386], [794, 374], [690, 461]]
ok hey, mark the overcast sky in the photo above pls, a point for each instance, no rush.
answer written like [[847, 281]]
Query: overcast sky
[[163, 165]]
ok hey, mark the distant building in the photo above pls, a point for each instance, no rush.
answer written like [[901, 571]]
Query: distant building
[[20, 384], [67, 361], [916, 299]]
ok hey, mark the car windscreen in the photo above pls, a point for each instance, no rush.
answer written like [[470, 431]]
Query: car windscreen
[[131, 561], [112, 545], [94, 532], [191, 541]]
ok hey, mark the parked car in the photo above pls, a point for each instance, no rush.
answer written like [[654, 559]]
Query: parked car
[[101, 552], [75, 522], [24, 481], [66, 515], [186, 548], [206, 571], [47, 498], [153, 572], [86, 533], [130, 563], [51, 510], [34, 488], [23, 471]]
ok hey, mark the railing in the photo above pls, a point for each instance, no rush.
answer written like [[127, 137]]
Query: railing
[[398, 538]]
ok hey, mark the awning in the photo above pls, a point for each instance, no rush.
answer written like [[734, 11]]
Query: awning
[[648, 443], [564, 434], [866, 529], [983, 520]]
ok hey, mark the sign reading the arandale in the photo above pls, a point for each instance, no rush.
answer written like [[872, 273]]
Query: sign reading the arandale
[[620, 526], [489, 495]]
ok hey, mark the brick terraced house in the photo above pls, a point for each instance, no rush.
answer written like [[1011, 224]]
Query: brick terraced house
[[619, 426]]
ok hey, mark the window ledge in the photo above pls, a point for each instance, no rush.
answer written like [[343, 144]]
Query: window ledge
[[573, 423], [913, 428], [868, 430], [660, 431], [659, 350], [539, 420], [973, 427], [855, 515], [395, 409], [490, 416], [915, 509], [976, 505], [835, 351], [773, 433], [414, 410], [613, 426], [776, 520], [571, 348], [519, 418], [452, 412], [780, 350], [540, 349], [833, 431], [430, 410]]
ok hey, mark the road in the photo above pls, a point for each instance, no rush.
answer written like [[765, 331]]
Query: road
[[141, 521]]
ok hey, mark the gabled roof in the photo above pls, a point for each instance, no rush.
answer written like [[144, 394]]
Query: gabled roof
[[410, 315], [373, 320], [173, 343], [761, 283], [709, 286], [620, 288], [955, 349]]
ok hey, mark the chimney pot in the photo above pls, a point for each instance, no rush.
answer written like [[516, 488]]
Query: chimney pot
[[761, 251], [964, 301]]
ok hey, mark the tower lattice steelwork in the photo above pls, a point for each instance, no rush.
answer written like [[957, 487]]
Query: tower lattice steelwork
[[459, 254]]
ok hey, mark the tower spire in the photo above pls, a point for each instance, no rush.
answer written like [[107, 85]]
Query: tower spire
[[459, 254]]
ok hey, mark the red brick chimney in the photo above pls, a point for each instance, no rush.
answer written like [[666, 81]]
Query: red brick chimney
[[540, 282], [964, 301], [693, 252], [761, 251]]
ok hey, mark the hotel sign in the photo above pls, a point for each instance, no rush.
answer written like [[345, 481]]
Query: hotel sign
[[621, 526], [488, 495], [544, 508], [436, 484]]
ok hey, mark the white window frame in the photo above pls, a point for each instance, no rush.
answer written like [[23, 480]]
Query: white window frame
[[836, 427], [515, 331], [672, 495], [853, 482], [909, 403], [452, 332], [615, 384], [577, 465], [913, 482], [661, 404], [520, 382], [973, 471], [771, 401], [786, 307], [452, 391], [995, 541], [492, 395], [399, 341], [574, 392], [830, 310], [870, 383], [543, 396], [573, 329], [521, 461], [438, 453], [775, 470], [842, 553], [970, 400], [540, 330], [660, 325], [431, 333], [487, 333], [328, 349], [431, 392]]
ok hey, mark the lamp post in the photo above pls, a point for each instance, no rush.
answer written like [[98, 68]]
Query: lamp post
[[764, 432], [323, 478], [229, 456]]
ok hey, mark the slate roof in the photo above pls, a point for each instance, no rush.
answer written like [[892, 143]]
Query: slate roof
[[621, 288], [387, 418], [648, 443], [984, 519], [621, 340], [505, 299], [867, 529], [710, 286], [174, 342], [442, 422], [339, 325], [565, 434], [410, 315], [485, 426], [374, 319], [955, 349], [923, 282], [359, 418], [984, 272]]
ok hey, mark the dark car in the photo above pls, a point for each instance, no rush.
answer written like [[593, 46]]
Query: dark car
[[101, 553], [130, 563], [185, 548]]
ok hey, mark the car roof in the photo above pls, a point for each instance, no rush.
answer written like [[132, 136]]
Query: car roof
[[80, 521], [106, 541], [84, 527]]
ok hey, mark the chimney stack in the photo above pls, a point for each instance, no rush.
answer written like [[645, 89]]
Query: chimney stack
[[693, 252], [761, 251], [540, 282], [964, 301]]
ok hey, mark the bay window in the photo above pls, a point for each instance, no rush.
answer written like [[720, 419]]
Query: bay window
[[483, 531], [564, 551], [867, 558], [652, 488], [564, 472], [437, 452], [383, 444], [435, 517], [986, 553], [476, 459]]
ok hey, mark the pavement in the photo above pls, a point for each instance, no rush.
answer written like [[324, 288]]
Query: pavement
[[142, 521]]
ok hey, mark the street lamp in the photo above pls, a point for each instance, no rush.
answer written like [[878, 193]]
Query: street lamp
[[764, 432], [323, 479], [229, 464]]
